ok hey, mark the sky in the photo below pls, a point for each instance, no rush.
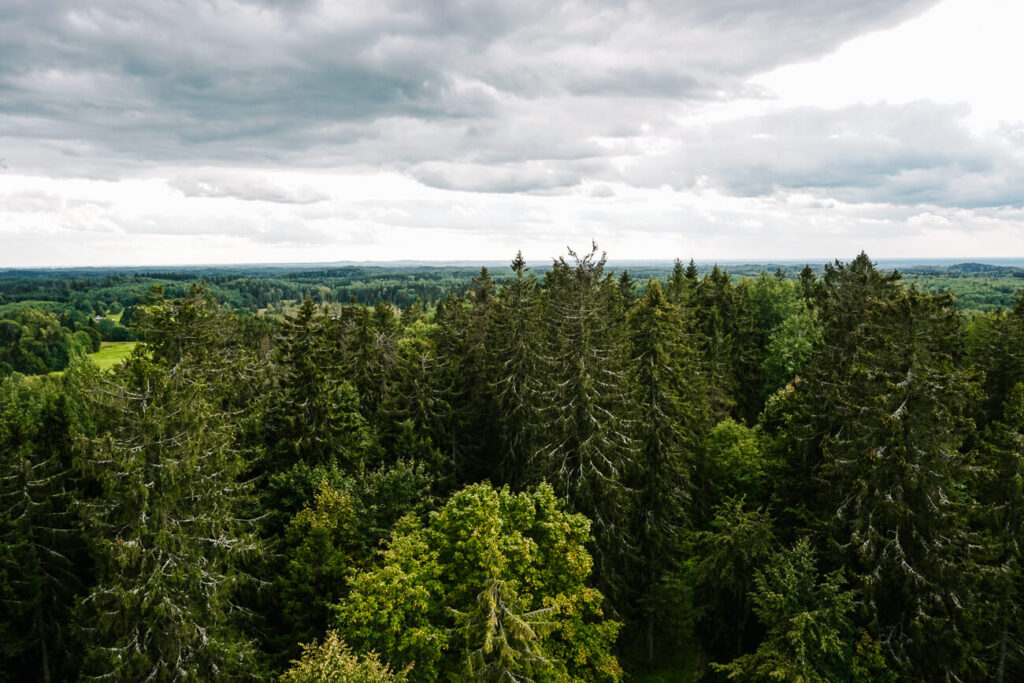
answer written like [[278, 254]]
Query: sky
[[257, 131]]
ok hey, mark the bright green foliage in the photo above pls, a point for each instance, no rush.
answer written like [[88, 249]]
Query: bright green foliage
[[736, 460], [332, 661], [441, 593], [323, 542], [772, 299], [509, 640], [35, 342], [164, 529], [791, 345], [810, 637], [395, 608], [338, 531]]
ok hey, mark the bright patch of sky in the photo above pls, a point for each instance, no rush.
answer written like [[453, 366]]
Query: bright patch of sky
[[961, 51]]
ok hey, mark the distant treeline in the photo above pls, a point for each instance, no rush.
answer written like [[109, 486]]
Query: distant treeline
[[92, 300]]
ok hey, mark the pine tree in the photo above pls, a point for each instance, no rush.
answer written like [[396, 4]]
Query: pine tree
[[672, 420], [881, 421], [513, 344], [165, 530], [999, 490], [315, 415], [584, 430], [42, 560]]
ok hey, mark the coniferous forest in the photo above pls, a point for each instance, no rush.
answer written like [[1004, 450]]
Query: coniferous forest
[[567, 475]]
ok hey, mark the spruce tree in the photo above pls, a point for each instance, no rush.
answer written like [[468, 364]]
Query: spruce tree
[[881, 421], [165, 530], [584, 426], [513, 369], [672, 420], [43, 564]]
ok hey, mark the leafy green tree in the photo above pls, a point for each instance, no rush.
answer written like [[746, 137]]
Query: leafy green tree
[[332, 661], [791, 346], [494, 585], [735, 462]]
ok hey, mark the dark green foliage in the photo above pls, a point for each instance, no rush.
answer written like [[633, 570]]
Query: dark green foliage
[[999, 490], [672, 419], [800, 475], [717, 576], [881, 418], [809, 635], [514, 345], [585, 442], [42, 560], [164, 531], [732, 354], [316, 416]]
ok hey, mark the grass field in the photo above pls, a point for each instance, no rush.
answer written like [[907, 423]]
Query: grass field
[[112, 353]]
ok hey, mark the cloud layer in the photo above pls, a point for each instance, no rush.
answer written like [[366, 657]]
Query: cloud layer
[[307, 123]]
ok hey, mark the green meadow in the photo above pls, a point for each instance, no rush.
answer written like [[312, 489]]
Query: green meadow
[[112, 353]]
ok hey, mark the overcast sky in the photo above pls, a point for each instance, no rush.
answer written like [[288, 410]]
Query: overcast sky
[[216, 131]]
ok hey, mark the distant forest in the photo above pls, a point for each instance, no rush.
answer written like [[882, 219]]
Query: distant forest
[[775, 473]]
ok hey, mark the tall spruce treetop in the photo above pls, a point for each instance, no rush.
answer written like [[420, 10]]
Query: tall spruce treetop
[[586, 447], [513, 369], [166, 531], [672, 420], [881, 421]]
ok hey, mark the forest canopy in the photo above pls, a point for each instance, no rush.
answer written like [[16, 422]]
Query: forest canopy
[[568, 475]]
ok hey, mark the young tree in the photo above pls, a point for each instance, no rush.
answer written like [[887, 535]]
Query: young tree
[[809, 635], [332, 660]]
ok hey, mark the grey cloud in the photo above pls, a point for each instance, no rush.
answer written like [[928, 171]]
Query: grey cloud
[[301, 82], [908, 154]]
